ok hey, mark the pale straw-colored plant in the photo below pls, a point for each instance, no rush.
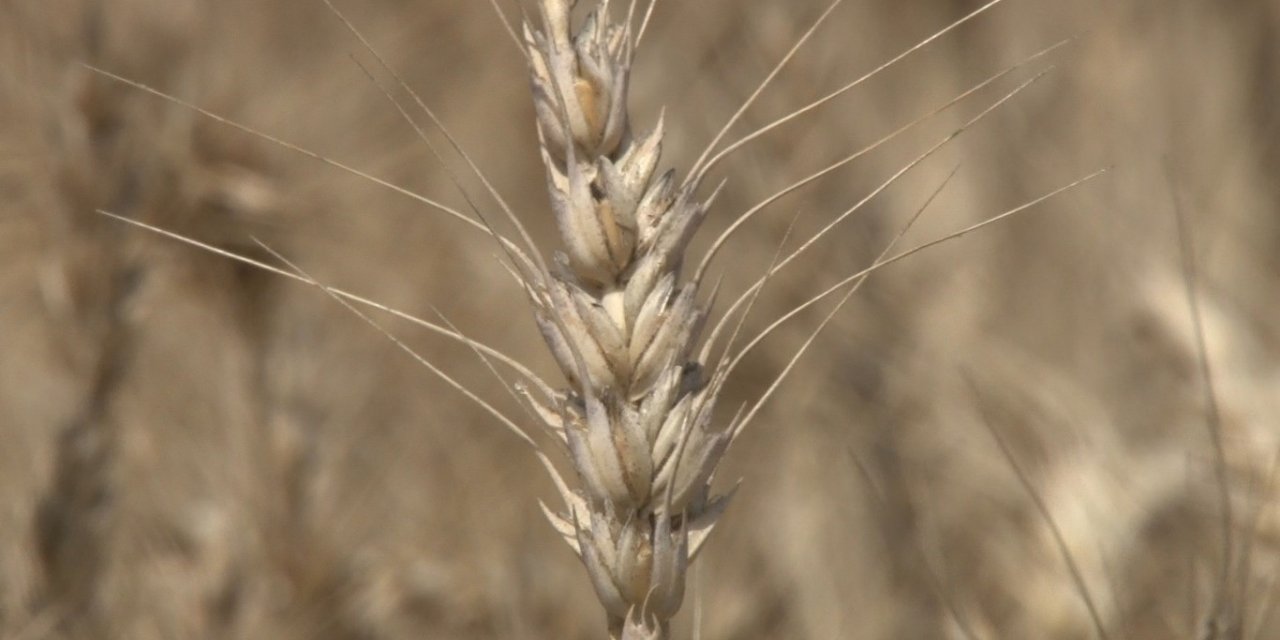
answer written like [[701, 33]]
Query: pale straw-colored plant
[[620, 315], [637, 418]]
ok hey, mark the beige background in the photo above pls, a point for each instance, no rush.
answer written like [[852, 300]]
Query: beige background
[[192, 449]]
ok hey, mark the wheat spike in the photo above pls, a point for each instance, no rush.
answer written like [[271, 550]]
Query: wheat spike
[[622, 325]]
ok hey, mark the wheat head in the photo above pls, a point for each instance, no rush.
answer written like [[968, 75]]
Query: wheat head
[[636, 419]]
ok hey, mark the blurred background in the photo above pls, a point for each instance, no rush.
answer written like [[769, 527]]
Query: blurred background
[[191, 448]]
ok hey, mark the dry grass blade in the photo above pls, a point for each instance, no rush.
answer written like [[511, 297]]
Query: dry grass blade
[[1114, 588], [1068, 558], [1213, 416], [940, 587]]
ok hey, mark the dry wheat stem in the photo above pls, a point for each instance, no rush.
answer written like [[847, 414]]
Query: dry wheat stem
[[1228, 611], [1213, 418]]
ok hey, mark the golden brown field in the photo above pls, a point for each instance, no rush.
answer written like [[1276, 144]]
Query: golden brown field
[[190, 448]]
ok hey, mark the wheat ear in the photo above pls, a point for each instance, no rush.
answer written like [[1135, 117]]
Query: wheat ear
[[622, 324]]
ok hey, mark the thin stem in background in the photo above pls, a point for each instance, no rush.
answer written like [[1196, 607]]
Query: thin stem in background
[[1060, 540]]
